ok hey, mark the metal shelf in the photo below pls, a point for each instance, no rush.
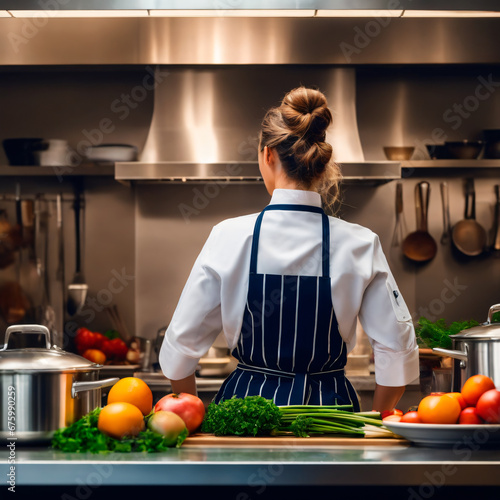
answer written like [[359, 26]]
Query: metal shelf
[[106, 169], [451, 164], [241, 172]]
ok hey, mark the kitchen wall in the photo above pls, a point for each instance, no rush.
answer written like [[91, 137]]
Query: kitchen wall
[[140, 235]]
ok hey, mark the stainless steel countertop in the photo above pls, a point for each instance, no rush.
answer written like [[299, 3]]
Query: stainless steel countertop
[[357, 465]]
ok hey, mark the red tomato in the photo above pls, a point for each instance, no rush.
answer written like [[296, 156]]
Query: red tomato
[[95, 355], [475, 386], [411, 417], [189, 407], [488, 406], [115, 349], [84, 339], [439, 410], [459, 398], [392, 418], [469, 416], [99, 340], [386, 413]]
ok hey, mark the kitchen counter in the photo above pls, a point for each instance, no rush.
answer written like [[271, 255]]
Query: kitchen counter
[[413, 470]]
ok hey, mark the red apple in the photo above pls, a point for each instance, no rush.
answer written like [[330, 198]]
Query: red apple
[[189, 407]]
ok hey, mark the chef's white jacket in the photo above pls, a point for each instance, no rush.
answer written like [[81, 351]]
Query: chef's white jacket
[[214, 297]]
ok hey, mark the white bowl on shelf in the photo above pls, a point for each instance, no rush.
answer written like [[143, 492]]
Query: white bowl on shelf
[[111, 153], [52, 158]]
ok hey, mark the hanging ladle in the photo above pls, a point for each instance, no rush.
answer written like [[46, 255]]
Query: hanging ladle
[[420, 246]]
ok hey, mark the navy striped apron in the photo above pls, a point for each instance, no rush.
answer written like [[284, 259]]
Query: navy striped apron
[[290, 349]]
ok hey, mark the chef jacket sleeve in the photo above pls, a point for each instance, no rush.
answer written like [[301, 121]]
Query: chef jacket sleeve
[[196, 321], [388, 325]]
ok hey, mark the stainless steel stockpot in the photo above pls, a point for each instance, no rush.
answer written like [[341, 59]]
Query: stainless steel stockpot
[[44, 389], [476, 351]]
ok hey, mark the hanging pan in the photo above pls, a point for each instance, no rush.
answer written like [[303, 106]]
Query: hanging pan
[[468, 236]]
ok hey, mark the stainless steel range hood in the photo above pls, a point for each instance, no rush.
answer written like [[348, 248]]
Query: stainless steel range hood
[[140, 5], [206, 120], [241, 172]]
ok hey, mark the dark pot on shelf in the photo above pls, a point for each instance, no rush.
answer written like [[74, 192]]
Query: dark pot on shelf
[[437, 151], [492, 144], [464, 150], [20, 151]]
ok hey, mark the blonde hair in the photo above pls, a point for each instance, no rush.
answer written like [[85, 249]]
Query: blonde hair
[[297, 131]]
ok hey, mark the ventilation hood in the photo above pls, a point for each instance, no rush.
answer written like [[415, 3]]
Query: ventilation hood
[[206, 121]]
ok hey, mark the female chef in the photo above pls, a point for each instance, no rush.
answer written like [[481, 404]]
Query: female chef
[[287, 286]]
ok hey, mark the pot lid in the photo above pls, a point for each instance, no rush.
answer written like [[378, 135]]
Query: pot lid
[[486, 331], [50, 358], [39, 359]]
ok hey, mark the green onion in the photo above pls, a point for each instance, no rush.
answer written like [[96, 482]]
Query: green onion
[[255, 415]]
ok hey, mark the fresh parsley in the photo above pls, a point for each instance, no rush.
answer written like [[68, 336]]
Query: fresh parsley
[[437, 334], [249, 416]]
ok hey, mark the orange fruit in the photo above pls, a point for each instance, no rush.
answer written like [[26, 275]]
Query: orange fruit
[[120, 419], [475, 386], [95, 355], [439, 410], [134, 391]]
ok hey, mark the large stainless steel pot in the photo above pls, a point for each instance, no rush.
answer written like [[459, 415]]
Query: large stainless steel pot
[[43, 389], [476, 351]]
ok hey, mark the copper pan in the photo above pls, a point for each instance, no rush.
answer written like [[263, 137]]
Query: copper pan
[[420, 246]]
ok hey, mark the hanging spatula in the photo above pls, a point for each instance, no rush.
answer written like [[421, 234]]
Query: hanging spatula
[[77, 289]]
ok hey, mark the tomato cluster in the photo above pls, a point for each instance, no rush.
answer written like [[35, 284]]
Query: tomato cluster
[[98, 348], [477, 403]]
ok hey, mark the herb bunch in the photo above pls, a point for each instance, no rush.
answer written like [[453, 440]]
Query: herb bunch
[[257, 416], [249, 416], [437, 334]]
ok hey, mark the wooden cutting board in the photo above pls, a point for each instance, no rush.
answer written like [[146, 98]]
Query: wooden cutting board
[[371, 439]]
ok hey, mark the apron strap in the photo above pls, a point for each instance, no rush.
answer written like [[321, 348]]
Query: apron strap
[[325, 248]]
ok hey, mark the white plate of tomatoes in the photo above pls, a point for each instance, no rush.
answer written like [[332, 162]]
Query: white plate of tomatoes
[[458, 419]]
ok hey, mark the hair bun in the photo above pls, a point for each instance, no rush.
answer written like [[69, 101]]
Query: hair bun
[[296, 130], [305, 112]]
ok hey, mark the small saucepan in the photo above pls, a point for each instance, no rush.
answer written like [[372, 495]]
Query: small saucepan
[[45, 388]]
